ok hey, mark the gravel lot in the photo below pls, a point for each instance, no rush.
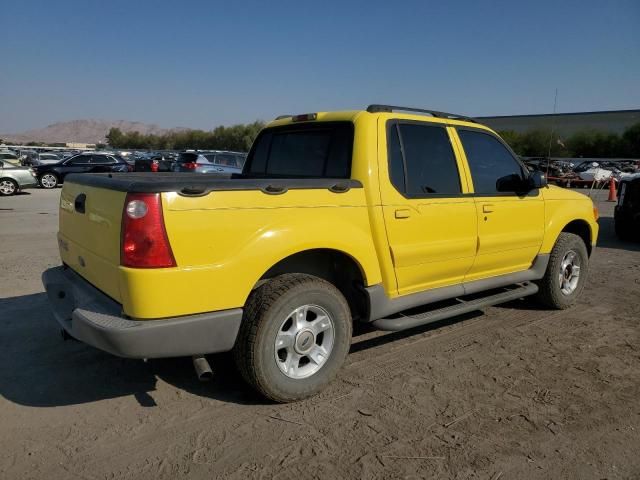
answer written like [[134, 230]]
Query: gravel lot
[[516, 392]]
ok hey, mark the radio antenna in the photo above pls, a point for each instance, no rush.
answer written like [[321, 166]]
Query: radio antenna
[[553, 124]]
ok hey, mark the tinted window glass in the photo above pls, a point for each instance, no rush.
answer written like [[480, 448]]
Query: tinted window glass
[[102, 159], [429, 160], [311, 150], [79, 159], [396, 165], [226, 160], [488, 160], [187, 157]]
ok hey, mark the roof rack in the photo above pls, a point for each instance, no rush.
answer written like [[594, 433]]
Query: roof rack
[[280, 117], [375, 108]]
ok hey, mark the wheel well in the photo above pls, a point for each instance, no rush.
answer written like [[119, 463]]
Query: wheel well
[[334, 266], [582, 229]]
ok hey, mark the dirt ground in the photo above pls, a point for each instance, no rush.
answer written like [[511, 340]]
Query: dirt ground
[[516, 392]]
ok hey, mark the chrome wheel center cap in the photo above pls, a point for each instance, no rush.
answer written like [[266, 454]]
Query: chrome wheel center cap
[[305, 340]]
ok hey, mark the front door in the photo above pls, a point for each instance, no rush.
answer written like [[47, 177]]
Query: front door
[[77, 164], [430, 219], [510, 216]]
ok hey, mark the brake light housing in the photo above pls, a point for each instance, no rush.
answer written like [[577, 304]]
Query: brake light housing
[[190, 165], [144, 240], [305, 117]]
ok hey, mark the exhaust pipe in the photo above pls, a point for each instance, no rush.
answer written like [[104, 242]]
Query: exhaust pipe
[[202, 367]]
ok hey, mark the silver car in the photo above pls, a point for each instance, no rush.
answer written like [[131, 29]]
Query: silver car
[[13, 179], [216, 161]]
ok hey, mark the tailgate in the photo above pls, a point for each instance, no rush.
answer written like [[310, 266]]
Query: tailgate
[[89, 234]]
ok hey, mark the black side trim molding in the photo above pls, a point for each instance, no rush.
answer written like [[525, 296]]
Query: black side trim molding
[[381, 306]]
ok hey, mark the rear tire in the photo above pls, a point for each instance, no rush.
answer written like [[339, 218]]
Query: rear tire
[[566, 273], [294, 337], [8, 187], [49, 180]]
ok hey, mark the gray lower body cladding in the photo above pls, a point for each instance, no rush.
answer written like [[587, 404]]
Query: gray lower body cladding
[[382, 306], [90, 316]]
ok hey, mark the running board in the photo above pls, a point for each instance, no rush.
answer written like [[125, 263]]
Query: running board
[[405, 322]]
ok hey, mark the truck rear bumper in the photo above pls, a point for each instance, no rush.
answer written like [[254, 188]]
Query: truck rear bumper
[[93, 318]]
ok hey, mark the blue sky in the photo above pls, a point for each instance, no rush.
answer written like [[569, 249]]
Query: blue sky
[[206, 63]]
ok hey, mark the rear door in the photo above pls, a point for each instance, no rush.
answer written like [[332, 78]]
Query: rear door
[[429, 217], [510, 220], [102, 163]]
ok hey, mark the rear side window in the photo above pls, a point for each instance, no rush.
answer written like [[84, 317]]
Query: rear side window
[[80, 159], [227, 160], [313, 150], [489, 160], [421, 160], [102, 159]]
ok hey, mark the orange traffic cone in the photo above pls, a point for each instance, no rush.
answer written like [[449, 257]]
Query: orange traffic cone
[[613, 194]]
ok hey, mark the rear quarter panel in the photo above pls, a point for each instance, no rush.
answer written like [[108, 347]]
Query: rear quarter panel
[[225, 241]]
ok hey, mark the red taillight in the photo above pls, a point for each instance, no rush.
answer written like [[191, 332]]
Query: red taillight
[[190, 165], [144, 239], [154, 166]]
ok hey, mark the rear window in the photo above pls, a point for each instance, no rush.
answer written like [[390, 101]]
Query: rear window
[[312, 150], [187, 157]]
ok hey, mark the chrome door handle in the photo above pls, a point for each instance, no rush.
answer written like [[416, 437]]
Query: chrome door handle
[[403, 213]]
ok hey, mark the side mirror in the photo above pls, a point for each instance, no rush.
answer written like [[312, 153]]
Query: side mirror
[[510, 183], [537, 179]]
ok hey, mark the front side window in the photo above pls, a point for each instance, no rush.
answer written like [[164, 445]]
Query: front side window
[[312, 150], [489, 161], [421, 160]]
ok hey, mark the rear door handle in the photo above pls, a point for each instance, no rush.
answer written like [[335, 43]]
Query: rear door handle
[[403, 213], [487, 208]]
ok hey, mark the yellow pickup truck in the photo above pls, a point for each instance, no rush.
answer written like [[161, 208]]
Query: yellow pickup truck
[[337, 217]]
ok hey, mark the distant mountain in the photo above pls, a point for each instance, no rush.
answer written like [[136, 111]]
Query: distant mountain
[[82, 131]]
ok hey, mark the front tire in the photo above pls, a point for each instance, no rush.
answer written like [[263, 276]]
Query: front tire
[[566, 272], [294, 337], [8, 187], [49, 180]]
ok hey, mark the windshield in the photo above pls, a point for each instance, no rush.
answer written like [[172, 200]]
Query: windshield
[[310, 150]]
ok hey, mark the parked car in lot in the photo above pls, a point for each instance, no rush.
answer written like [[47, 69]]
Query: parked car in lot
[[210, 162], [154, 163], [627, 211], [15, 178], [50, 176], [11, 158], [47, 158], [337, 217]]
